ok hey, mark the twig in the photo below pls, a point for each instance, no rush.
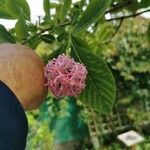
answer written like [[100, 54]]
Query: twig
[[44, 30], [113, 35], [69, 23], [128, 16], [119, 5], [121, 21]]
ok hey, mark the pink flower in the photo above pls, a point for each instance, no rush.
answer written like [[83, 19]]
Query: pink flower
[[65, 77]]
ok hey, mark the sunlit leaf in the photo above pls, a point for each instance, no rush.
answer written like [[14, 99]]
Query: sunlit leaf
[[93, 12], [4, 13], [64, 10], [15, 6], [21, 28], [46, 6]]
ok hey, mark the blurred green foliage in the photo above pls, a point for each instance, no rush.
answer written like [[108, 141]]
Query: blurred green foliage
[[39, 137]]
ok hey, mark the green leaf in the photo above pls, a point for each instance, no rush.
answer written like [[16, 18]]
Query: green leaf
[[62, 36], [94, 11], [99, 93], [5, 36], [60, 50], [148, 33], [34, 42], [64, 10], [82, 3], [21, 28], [5, 14], [59, 30], [133, 7], [75, 12], [46, 6], [81, 43], [48, 38], [144, 4], [15, 6]]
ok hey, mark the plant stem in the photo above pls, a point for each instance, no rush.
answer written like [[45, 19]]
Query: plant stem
[[128, 16], [117, 29], [119, 5], [69, 23], [42, 31]]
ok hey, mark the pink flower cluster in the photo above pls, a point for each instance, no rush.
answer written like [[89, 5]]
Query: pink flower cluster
[[65, 77]]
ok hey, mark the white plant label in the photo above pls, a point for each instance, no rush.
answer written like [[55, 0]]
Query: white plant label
[[130, 138]]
